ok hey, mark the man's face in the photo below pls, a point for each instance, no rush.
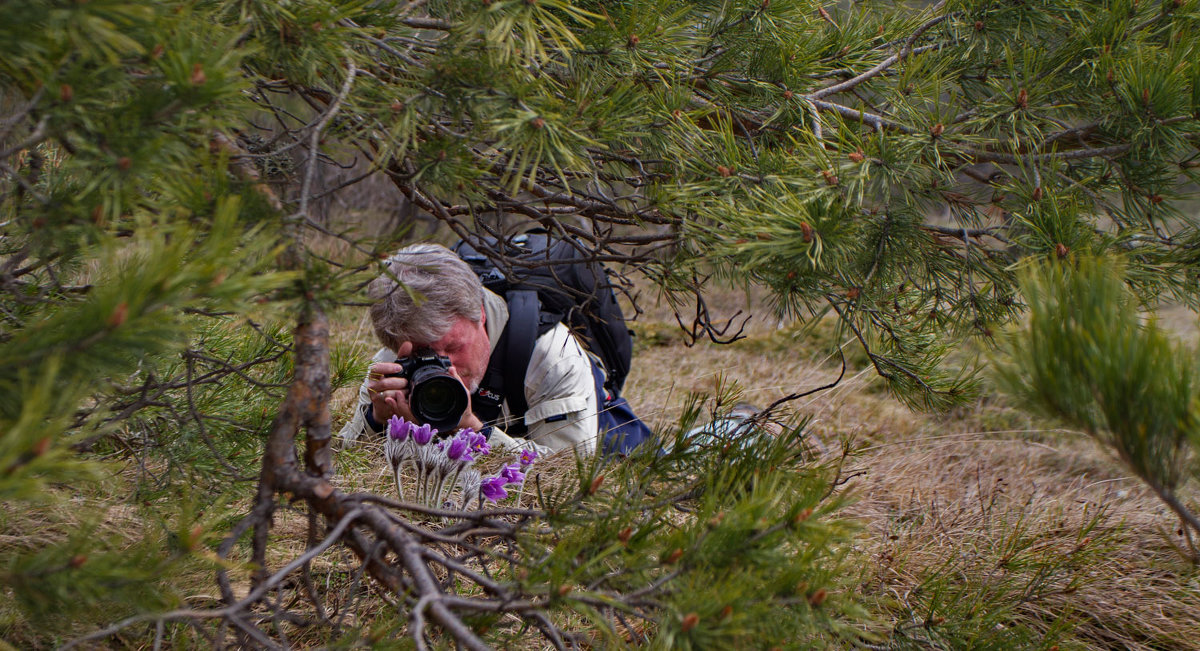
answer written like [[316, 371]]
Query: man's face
[[468, 348]]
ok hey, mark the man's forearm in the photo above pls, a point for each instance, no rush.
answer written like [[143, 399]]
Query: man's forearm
[[575, 432]]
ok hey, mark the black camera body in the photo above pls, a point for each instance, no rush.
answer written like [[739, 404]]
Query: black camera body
[[436, 397]]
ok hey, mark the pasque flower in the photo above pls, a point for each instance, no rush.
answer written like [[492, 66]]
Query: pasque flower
[[528, 456], [478, 442], [440, 467], [512, 474], [423, 434], [492, 488], [460, 448], [398, 428]]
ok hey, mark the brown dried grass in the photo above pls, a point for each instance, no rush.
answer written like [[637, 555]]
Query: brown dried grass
[[927, 489], [931, 489]]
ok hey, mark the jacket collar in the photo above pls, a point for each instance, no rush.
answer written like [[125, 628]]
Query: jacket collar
[[496, 311]]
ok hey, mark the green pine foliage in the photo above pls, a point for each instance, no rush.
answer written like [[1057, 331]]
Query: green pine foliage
[[1010, 588], [742, 533], [885, 164], [1090, 358], [132, 259]]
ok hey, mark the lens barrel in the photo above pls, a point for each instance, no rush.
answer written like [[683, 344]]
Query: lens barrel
[[437, 398]]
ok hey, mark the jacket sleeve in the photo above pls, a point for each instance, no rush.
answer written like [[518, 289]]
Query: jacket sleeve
[[357, 427], [561, 393]]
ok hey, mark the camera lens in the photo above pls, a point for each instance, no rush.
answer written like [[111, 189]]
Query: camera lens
[[438, 398]]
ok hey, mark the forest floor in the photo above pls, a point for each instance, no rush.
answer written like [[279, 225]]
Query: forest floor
[[982, 527]]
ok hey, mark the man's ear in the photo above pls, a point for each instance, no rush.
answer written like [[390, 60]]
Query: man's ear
[[482, 316]]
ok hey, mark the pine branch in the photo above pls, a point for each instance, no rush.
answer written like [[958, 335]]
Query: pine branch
[[905, 50]]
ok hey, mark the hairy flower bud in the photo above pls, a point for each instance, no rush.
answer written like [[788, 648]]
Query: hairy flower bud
[[422, 435], [459, 447], [399, 428]]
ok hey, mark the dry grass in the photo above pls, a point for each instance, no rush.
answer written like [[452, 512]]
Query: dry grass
[[964, 496], [944, 500], [950, 494], [982, 503]]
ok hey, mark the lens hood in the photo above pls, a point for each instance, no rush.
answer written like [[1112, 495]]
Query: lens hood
[[436, 397]]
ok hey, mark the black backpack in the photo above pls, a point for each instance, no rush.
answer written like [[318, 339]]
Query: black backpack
[[551, 281]]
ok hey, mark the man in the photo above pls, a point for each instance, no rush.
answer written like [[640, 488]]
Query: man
[[430, 298]]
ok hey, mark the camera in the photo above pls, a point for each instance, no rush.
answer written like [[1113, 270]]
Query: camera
[[435, 396]]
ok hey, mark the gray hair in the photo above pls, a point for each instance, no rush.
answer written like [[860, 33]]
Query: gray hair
[[424, 289]]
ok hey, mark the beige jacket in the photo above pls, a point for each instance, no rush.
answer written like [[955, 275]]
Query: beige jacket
[[559, 389]]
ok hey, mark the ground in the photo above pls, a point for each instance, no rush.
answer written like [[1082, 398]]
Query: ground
[[982, 509]]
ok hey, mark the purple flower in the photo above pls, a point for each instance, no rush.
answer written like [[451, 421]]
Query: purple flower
[[398, 428], [459, 449], [423, 434], [528, 456], [478, 442], [512, 474], [492, 488]]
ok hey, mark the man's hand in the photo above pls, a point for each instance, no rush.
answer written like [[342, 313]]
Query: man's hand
[[389, 395], [469, 418]]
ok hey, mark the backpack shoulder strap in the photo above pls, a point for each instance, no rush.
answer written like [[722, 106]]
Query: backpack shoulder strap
[[523, 312], [504, 379], [486, 400]]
